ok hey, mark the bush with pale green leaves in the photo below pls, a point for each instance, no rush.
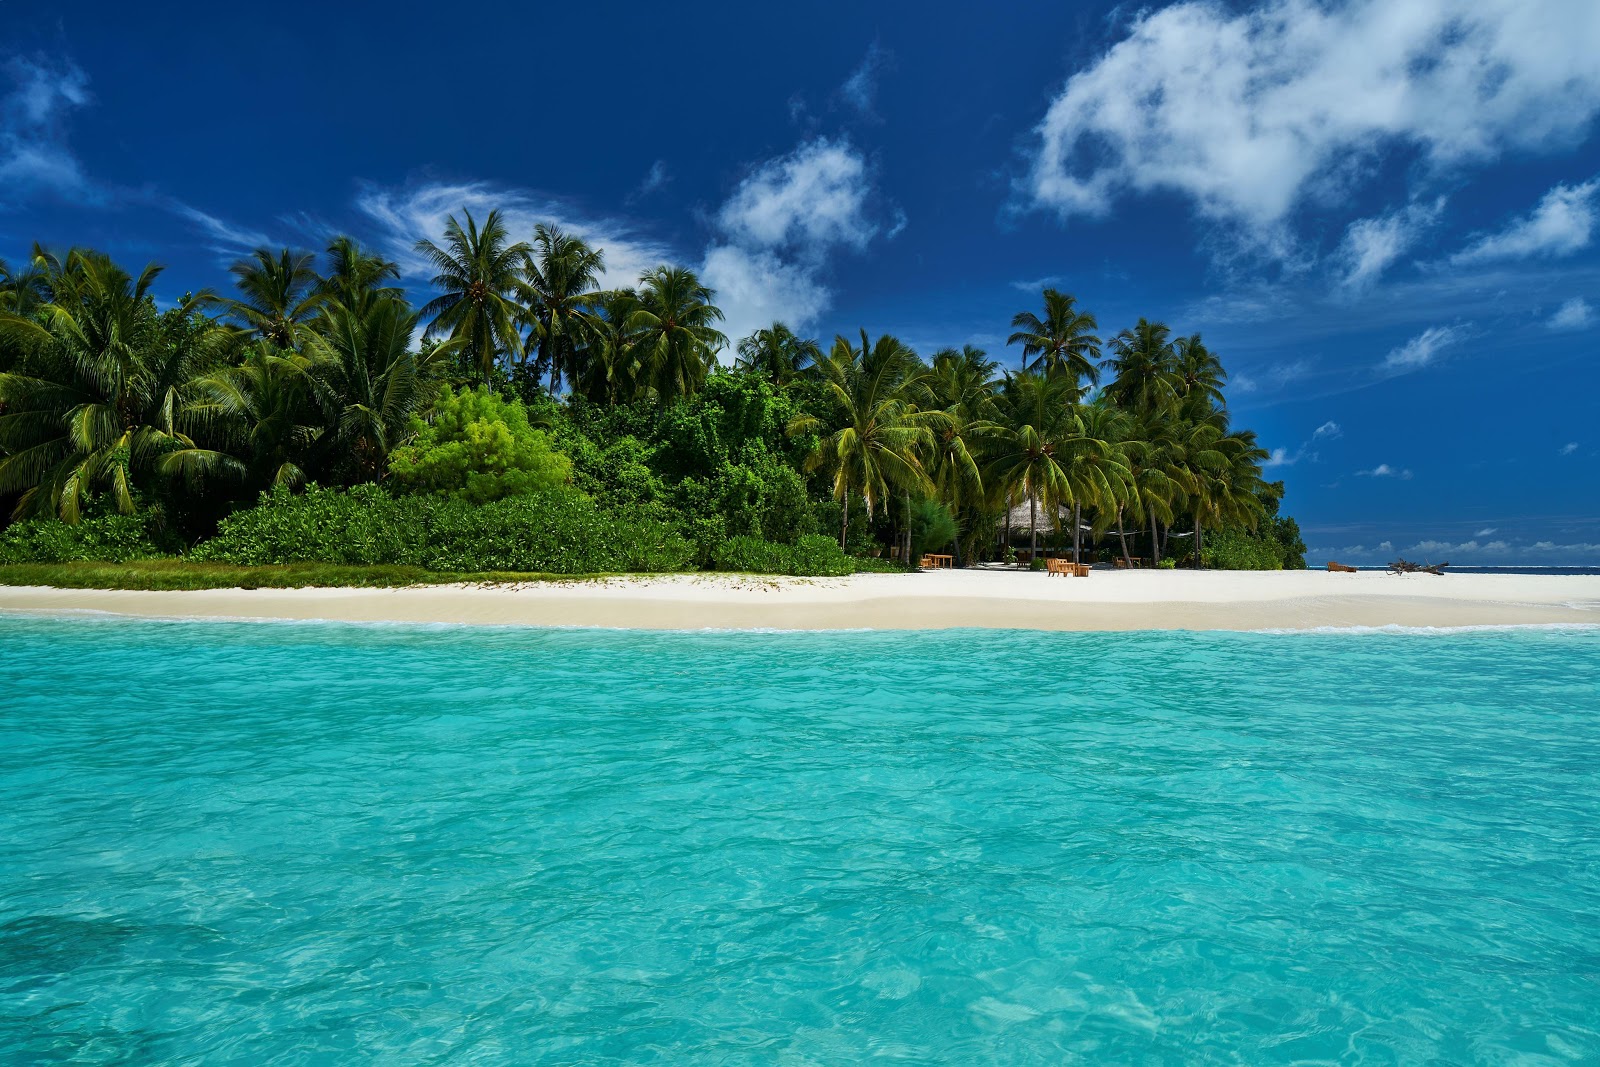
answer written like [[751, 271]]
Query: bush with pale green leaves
[[478, 447]]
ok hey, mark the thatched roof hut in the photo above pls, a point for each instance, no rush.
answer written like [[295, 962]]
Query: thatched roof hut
[[1020, 518]]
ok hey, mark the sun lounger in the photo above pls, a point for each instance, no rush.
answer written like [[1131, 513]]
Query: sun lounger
[[1340, 567]]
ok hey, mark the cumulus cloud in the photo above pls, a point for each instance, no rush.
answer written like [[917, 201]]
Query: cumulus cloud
[[34, 153], [1252, 114], [1421, 350], [407, 215], [1575, 314], [1473, 552], [777, 230], [1372, 245], [1560, 225], [1383, 470]]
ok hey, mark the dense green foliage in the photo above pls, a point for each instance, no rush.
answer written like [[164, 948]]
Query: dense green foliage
[[546, 424], [478, 447], [554, 533], [110, 538]]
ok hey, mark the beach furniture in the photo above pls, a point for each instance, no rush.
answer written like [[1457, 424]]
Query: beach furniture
[[1058, 566], [1340, 567], [1081, 569]]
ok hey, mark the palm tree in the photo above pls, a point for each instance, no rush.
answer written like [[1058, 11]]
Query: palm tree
[[102, 404], [1063, 341], [281, 294], [610, 373], [962, 385], [872, 436], [1199, 372], [24, 290], [369, 383], [1038, 447], [778, 355], [260, 415], [1229, 490], [477, 275], [1143, 378], [355, 276], [673, 340], [560, 279], [1105, 470]]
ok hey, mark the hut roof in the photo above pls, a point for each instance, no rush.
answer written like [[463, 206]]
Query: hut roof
[[1021, 518]]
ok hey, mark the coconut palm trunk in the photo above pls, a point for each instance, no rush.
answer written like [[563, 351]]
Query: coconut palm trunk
[[1122, 536], [844, 522], [1197, 541], [1033, 528], [1155, 545], [1077, 531]]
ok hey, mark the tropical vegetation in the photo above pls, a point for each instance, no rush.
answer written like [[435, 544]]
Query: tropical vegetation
[[533, 415]]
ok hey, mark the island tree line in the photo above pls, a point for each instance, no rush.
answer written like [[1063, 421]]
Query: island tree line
[[530, 419]]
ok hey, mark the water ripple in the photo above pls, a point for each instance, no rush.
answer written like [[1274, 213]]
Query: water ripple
[[319, 843]]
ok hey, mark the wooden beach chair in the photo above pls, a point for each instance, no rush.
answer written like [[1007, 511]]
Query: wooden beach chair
[[1340, 568]]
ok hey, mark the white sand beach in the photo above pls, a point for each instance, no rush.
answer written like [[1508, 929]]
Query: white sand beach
[[1106, 600]]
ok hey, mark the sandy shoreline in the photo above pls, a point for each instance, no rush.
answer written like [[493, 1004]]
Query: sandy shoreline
[[1108, 600]]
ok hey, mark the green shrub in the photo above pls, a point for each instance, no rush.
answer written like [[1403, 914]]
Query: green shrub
[[109, 538], [552, 532], [479, 447], [1234, 550], [1167, 564], [810, 556], [874, 565], [933, 528]]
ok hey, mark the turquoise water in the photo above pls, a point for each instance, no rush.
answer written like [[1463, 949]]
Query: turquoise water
[[329, 844]]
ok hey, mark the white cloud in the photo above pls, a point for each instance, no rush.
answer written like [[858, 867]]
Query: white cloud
[[657, 178], [1274, 377], [1372, 245], [1253, 114], [815, 195], [1282, 457], [1383, 470], [1567, 449], [1575, 314], [861, 88], [1421, 350], [1560, 225], [410, 214], [1473, 552], [777, 230], [34, 153], [230, 238], [1487, 531]]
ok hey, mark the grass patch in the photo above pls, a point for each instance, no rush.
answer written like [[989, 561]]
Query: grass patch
[[187, 574]]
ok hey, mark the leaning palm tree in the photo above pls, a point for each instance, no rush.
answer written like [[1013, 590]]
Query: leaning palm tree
[[478, 274], [778, 355], [1064, 340], [674, 339], [1039, 448], [280, 295], [558, 287], [102, 404], [369, 383], [871, 436]]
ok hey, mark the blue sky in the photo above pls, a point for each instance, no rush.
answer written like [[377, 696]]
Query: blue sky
[[1382, 213]]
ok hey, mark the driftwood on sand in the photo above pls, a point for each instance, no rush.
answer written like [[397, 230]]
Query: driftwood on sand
[[1403, 566]]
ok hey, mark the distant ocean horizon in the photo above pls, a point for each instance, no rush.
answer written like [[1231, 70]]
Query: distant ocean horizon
[[1465, 569]]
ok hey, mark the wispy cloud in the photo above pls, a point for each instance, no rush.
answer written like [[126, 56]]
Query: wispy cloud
[[1282, 457], [1372, 245], [229, 238], [1575, 314], [1421, 351], [860, 89], [1567, 449], [34, 151], [655, 179], [408, 214], [1560, 225], [1383, 470]]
